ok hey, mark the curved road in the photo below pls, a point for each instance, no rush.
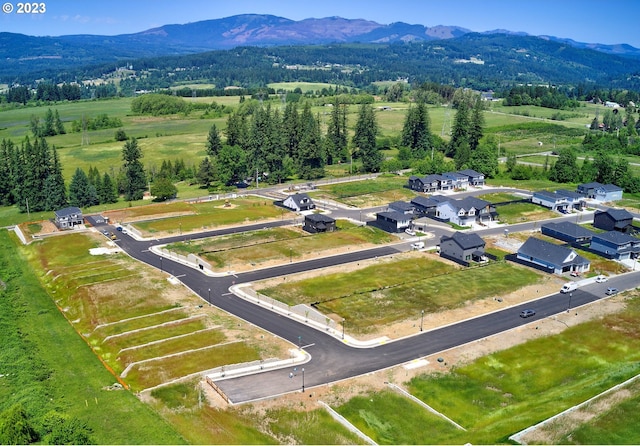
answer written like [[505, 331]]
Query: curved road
[[331, 359]]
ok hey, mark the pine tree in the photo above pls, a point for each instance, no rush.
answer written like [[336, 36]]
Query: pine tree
[[336, 140], [7, 150], [236, 130], [49, 128], [311, 160], [55, 189], [59, 127], [416, 133], [459, 135], [214, 144], [364, 139], [81, 192], [135, 178], [205, 173], [37, 166], [107, 192], [291, 129], [476, 127]]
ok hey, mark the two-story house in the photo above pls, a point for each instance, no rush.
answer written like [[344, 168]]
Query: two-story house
[[466, 211]]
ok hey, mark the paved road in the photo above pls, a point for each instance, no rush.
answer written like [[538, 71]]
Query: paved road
[[331, 359]]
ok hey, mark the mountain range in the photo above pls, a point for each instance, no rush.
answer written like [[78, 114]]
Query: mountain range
[[22, 54]]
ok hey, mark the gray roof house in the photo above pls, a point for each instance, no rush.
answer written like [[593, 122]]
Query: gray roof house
[[69, 217], [393, 221], [552, 258], [576, 201], [315, 223], [551, 200], [475, 178], [458, 180], [430, 183], [616, 245], [567, 232], [466, 211], [401, 206], [299, 202], [462, 247], [613, 219], [588, 190], [608, 192], [427, 206]]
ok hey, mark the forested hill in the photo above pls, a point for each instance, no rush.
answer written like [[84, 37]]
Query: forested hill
[[473, 60], [25, 56]]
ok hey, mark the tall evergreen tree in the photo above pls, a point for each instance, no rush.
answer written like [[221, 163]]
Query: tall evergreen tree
[[364, 139], [476, 126], [107, 192], [206, 173], [136, 182], [7, 150], [236, 130], [291, 129], [459, 135], [214, 144], [81, 192], [336, 140], [37, 165], [49, 128], [311, 160], [55, 189], [416, 133], [59, 126]]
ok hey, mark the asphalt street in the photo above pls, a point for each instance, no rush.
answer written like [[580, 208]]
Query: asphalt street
[[331, 358]]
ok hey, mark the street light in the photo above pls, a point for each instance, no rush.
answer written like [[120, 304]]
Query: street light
[[569, 307], [299, 342], [343, 322], [302, 379], [161, 270], [209, 296], [421, 319], [290, 256]]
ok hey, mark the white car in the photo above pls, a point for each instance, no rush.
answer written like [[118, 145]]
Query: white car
[[601, 279], [410, 232]]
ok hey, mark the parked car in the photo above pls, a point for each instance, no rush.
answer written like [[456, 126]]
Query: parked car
[[611, 291], [527, 313], [113, 236], [568, 287], [574, 274], [417, 245], [105, 233], [411, 232], [601, 279]]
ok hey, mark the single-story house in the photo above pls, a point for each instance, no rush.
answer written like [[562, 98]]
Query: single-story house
[[576, 201], [458, 180], [613, 220], [315, 223], [616, 245], [462, 246], [553, 258], [588, 190], [299, 202], [401, 206], [474, 178], [608, 192], [567, 232], [551, 200], [393, 221], [69, 217], [466, 211]]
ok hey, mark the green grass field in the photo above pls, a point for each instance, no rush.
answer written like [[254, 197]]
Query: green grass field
[[390, 292], [502, 393]]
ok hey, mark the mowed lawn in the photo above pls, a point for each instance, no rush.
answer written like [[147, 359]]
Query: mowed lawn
[[280, 245], [392, 291]]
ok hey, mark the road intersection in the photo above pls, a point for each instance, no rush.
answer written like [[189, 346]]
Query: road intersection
[[329, 357]]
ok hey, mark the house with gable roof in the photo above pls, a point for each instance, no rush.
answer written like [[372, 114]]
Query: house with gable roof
[[568, 232], [466, 211], [475, 179], [462, 247], [550, 257], [616, 245], [614, 220], [299, 202], [608, 192], [68, 218]]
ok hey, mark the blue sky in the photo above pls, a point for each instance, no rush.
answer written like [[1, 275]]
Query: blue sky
[[612, 21]]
